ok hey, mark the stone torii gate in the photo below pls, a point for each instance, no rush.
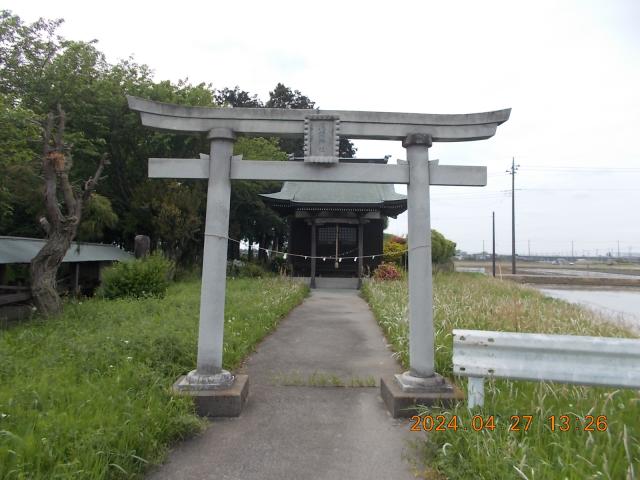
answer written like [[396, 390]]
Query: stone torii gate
[[217, 391]]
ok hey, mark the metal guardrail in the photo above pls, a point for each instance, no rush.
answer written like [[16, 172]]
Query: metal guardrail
[[604, 361]]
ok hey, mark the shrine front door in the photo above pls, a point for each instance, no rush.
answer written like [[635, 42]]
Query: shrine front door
[[336, 240]]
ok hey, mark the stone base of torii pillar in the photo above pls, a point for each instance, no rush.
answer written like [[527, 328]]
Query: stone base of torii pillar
[[403, 394], [225, 401]]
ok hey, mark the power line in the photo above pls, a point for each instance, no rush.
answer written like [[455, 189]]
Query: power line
[[505, 193], [581, 169], [563, 189]]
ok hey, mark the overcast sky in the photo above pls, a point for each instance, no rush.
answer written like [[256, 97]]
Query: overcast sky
[[569, 70]]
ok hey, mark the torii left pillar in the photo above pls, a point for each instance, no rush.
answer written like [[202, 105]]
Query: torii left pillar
[[217, 392]]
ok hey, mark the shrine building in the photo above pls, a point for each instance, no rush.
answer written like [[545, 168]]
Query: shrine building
[[336, 222]]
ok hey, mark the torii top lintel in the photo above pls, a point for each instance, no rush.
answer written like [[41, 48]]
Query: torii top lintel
[[291, 122]]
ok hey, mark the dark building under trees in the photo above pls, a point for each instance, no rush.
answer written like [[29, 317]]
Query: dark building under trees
[[335, 221]]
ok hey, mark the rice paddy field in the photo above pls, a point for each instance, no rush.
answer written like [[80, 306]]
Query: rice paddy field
[[87, 395], [470, 301]]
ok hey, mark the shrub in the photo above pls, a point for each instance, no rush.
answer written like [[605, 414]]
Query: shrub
[[233, 268], [397, 239], [140, 278], [240, 269], [280, 265], [253, 270], [387, 271], [394, 252], [442, 249]]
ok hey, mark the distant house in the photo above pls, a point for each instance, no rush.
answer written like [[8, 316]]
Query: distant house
[[336, 220], [79, 272]]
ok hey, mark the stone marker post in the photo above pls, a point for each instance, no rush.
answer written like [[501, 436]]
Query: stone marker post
[[142, 244]]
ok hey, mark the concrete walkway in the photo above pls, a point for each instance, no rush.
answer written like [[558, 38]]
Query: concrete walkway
[[296, 427]]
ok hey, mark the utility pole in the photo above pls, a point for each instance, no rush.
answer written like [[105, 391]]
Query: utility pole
[[529, 248], [512, 172], [571, 248], [618, 248], [493, 234]]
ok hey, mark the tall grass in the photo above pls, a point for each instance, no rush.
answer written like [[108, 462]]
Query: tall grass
[[87, 395], [477, 302]]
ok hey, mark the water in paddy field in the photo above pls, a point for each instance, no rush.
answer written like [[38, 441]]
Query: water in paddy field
[[621, 305]]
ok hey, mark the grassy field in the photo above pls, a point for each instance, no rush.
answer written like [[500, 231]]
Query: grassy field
[[477, 302], [504, 266], [86, 395]]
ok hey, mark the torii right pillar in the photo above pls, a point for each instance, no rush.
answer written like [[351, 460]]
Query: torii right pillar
[[420, 385]]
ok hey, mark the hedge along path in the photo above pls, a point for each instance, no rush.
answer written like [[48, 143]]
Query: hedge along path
[[86, 395]]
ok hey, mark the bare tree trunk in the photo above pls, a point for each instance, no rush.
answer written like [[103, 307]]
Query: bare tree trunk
[[60, 227], [44, 268]]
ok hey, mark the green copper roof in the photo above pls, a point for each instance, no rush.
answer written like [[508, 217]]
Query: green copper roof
[[356, 197], [337, 193]]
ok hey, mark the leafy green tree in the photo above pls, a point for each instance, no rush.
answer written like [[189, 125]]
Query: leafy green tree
[[25, 54], [442, 249], [172, 214], [227, 97], [283, 97], [250, 219], [98, 216], [19, 181], [40, 70]]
